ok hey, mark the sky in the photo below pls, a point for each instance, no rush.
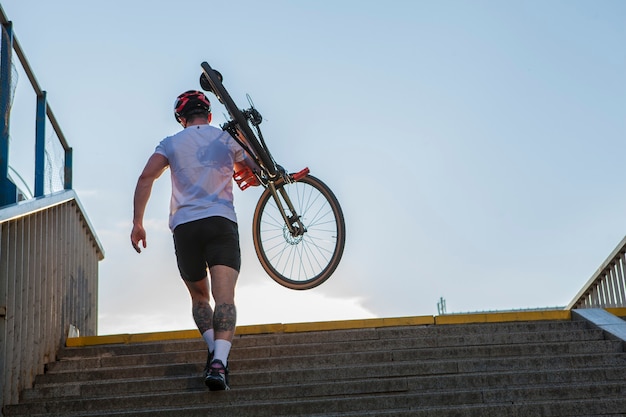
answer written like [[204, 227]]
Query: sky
[[476, 147]]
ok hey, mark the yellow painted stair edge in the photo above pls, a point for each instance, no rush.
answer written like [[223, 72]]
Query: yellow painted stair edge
[[504, 317], [446, 319]]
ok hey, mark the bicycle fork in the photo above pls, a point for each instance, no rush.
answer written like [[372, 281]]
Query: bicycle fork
[[294, 224]]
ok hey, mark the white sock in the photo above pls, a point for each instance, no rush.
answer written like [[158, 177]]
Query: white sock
[[209, 338], [222, 349]]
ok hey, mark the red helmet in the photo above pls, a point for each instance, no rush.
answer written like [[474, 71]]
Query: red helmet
[[191, 102]]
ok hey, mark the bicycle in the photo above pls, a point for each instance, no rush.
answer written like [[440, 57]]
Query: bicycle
[[298, 227]]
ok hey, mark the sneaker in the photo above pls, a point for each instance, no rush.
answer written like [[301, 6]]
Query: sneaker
[[217, 376]]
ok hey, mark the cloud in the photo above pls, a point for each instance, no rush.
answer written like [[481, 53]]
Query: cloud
[[271, 303]]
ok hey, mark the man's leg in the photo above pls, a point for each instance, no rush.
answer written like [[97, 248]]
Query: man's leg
[[223, 281], [201, 310]]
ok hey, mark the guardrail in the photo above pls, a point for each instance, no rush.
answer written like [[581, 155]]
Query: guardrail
[[49, 258], [607, 286], [8, 191]]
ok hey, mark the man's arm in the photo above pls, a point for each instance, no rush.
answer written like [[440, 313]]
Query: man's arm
[[153, 170], [246, 163]]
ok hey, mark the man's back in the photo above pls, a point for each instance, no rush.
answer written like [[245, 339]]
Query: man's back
[[201, 159]]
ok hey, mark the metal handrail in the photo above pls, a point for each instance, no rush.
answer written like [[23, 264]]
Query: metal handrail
[[8, 193], [607, 286], [33, 81]]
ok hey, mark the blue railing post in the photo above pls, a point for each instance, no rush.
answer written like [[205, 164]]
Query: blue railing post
[[67, 177], [8, 191], [40, 145]]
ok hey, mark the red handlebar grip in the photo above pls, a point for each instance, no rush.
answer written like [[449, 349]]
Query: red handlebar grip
[[299, 175]]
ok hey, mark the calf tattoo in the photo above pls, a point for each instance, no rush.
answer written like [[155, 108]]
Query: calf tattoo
[[225, 317], [203, 315]]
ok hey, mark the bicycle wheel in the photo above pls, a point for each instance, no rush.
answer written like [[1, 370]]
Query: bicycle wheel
[[306, 261]]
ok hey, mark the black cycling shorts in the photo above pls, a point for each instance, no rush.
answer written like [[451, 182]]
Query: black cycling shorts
[[204, 243]]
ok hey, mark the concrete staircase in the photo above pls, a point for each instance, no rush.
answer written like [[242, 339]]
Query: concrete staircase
[[547, 367]]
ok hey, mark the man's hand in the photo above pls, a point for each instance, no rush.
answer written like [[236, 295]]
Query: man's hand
[[137, 235], [153, 169]]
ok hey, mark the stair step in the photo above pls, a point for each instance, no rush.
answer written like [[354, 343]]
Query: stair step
[[388, 395], [94, 389], [313, 368], [275, 359]]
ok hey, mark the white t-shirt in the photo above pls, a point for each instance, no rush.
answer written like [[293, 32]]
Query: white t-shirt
[[201, 160]]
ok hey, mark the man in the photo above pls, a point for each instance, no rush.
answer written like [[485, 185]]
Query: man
[[202, 159]]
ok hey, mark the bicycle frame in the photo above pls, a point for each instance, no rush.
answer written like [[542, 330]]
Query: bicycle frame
[[270, 173]]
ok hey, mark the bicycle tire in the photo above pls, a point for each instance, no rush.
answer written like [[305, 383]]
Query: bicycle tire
[[301, 262], [236, 114]]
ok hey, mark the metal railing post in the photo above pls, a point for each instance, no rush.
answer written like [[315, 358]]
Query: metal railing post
[[67, 176], [40, 144], [8, 191]]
